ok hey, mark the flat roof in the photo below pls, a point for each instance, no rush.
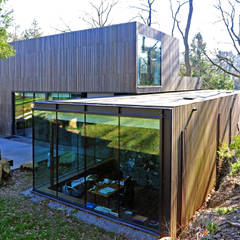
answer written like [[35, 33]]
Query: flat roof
[[159, 100]]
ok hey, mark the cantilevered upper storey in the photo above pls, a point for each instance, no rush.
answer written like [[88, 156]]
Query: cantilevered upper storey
[[124, 58]]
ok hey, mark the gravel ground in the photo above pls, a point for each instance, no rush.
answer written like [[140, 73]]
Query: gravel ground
[[219, 218]]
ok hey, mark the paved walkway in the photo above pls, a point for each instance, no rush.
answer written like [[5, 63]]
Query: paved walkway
[[18, 149]]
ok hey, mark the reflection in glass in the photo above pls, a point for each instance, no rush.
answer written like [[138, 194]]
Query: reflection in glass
[[23, 108], [45, 151], [139, 166], [71, 182], [102, 163], [108, 164], [53, 96], [62, 96], [39, 97], [149, 61], [19, 114], [28, 105]]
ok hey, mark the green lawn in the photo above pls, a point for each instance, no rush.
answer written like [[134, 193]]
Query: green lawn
[[20, 218]]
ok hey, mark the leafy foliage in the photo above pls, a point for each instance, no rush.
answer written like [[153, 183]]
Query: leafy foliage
[[211, 228], [235, 168], [225, 152], [33, 32], [6, 50], [225, 210], [212, 77], [231, 154]]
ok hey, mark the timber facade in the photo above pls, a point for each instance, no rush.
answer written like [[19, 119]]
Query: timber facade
[[94, 61], [146, 160]]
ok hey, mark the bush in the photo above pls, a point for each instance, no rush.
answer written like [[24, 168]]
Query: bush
[[235, 168]]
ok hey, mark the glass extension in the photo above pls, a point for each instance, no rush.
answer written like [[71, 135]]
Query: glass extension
[[104, 163]]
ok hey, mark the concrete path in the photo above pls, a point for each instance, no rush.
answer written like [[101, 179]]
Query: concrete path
[[18, 149]]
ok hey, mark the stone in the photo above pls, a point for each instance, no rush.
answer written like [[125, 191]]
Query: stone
[[27, 166], [5, 167]]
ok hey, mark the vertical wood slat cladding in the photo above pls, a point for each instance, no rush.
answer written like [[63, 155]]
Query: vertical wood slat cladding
[[199, 161], [83, 61], [94, 60], [170, 81]]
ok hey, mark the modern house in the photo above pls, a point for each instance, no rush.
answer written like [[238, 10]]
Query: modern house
[[88, 63], [139, 148]]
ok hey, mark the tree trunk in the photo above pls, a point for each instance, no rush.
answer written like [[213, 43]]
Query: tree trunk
[[186, 45]]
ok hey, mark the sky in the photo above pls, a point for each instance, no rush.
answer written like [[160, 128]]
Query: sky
[[53, 14]]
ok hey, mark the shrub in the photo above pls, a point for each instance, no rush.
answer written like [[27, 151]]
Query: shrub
[[235, 168], [225, 210]]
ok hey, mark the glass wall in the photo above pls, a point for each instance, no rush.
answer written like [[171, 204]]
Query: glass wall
[[70, 166], [139, 168], [27, 109], [23, 108], [19, 114], [149, 61], [108, 164], [102, 163], [45, 151]]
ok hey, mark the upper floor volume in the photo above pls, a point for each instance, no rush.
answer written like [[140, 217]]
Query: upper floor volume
[[123, 58]]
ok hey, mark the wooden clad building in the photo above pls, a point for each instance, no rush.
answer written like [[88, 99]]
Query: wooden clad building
[[177, 133], [93, 61]]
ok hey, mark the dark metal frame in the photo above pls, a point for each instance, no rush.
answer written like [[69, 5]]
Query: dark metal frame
[[118, 115]]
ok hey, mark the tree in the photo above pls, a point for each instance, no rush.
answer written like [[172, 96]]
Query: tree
[[33, 32], [197, 59], [185, 33], [14, 35], [6, 50], [102, 10], [146, 7], [213, 77], [229, 19]]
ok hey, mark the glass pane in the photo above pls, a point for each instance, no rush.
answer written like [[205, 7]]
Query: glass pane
[[149, 61], [28, 104], [75, 95], [40, 97], [45, 151], [19, 116], [102, 163], [139, 167], [71, 179], [53, 96], [63, 96]]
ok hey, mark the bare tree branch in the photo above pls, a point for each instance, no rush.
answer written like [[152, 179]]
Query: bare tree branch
[[174, 15], [185, 33], [146, 8], [102, 12], [65, 29], [228, 61], [228, 19], [220, 67], [230, 27]]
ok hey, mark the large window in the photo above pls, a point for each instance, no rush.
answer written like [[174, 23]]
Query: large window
[[139, 167], [45, 151], [23, 102], [149, 61], [107, 164]]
